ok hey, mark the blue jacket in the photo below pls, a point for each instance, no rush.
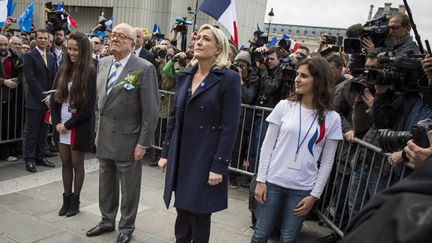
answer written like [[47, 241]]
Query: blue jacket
[[200, 137]]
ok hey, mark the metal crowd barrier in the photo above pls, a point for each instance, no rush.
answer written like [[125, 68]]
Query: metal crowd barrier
[[360, 170], [12, 114]]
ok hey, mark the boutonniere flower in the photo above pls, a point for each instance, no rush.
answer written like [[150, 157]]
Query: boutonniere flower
[[17, 65], [130, 82]]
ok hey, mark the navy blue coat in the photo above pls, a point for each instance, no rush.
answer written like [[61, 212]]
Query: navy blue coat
[[200, 137], [38, 77]]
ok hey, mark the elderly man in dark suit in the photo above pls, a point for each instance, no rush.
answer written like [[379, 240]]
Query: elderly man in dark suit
[[128, 105], [140, 51], [39, 71]]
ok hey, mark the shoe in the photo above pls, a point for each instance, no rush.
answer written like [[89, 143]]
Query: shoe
[[124, 238], [154, 162], [245, 184], [66, 204], [74, 205], [331, 238], [30, 166], [12, 158], [234, 185], [98, 230], [44, 162]]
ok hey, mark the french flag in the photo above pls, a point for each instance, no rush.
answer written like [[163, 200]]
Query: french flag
[[224, 11], [294, 45]]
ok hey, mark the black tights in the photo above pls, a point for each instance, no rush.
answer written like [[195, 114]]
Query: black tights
[[72, 161]]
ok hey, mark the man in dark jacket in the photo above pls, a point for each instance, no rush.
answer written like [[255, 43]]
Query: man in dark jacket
[[140, 51], [39, 71], [11, 99]]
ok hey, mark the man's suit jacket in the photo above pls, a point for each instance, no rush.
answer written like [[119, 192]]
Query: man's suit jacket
[[126, 117], [148, 56], [38, 77]]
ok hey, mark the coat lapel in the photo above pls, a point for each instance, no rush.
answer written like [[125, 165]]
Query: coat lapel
[[126, 70], [212, 78], [103, 79]]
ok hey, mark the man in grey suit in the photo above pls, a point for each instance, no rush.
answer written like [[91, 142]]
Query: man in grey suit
[[128, 106]]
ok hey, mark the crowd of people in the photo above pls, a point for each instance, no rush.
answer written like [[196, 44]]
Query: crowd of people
[[103, 95]]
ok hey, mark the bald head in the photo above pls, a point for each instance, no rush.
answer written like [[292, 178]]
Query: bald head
[[140, 37], [4, 45]]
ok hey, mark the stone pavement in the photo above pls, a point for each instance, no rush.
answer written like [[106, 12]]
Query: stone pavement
[[29, 204]]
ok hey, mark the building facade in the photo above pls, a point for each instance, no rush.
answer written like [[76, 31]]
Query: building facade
[[146, 13]]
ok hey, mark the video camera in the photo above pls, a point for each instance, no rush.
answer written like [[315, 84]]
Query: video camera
[[57, 20], [181, 24], [375, 29], [392, 141]]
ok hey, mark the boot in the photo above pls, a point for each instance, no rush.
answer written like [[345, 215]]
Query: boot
[[66, 204], [74, 205]]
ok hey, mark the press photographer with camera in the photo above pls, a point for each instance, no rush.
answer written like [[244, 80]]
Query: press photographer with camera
[[271, 81], [399, 42]]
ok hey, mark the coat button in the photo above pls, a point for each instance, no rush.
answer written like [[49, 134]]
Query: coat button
[[213, 128], [202, 108], [201, 128]]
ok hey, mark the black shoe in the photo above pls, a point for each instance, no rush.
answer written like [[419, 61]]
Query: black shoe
[[74, 205], [66, 204], [154, 162], [30, 166], [124, 238], [44, 162], [331, 238], [98, 230]]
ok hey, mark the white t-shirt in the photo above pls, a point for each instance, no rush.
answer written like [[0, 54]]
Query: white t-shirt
[[286, 114]]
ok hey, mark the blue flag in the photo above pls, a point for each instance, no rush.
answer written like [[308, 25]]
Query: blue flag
[[59, 7], [6, 10], [25, 21], [285, 37], [109, 23], [273, 42], [10, 8], [155, 28]]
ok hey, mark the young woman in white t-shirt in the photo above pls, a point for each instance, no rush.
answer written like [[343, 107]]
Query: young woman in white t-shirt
[[301, 129]]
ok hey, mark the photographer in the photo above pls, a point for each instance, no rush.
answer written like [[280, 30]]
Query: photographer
[[269, 94], [175, 65], [399, 42], [249, 87]]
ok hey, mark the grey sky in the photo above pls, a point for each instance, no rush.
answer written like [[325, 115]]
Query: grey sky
[[343, 13]]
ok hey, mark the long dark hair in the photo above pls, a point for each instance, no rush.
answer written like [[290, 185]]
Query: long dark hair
[[77, 72], [323, 90]]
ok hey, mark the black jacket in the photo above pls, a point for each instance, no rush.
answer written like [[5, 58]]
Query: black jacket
[[271, 82], [83, 121]]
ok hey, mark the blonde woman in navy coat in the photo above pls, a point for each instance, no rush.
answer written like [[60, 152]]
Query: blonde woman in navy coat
[[200, 136]]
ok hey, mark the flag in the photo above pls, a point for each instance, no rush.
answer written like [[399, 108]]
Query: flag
[[59, 7], [158, 29], [273, 42], [6, 10], [100, 33], [224, 11], [155, 28], [294, 45], [285, 37], [25, 21], [71, 21], [109, 23]]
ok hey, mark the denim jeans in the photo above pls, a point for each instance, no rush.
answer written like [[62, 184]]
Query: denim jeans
[[279, 198], [258, 134]]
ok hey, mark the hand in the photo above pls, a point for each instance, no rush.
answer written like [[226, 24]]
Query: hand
[[139, 152], [261, 192], [261, 66], [368, 98], [162, 163], [427, 66], [61, 128], [350, 135], [10, 83], [304, 206], [180, 55], [395, 158], [214, 179], [416, 154], [368, 44]]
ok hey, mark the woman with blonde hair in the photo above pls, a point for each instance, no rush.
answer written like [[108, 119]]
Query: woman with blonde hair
[[202, 129]]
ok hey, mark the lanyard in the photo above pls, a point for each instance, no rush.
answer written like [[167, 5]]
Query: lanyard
[[299, 144]]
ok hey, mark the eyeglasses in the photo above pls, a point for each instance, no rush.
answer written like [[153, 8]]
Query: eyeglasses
[[395, 27], [119, 36]]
